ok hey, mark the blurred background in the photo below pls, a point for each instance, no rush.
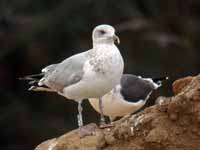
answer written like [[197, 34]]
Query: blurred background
[[157, 38]]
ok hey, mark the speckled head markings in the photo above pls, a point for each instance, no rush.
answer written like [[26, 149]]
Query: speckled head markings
[[104, 34], [103, 37]]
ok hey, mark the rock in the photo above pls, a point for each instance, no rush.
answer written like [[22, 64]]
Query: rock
[[173, 116], [157, 135], [173, 124], [178, 85], [72, 141], [49, 144]]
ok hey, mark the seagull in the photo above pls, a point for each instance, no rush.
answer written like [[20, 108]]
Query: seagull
[[90, 74], [128, 96]]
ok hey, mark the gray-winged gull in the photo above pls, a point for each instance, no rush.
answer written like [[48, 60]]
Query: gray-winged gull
[[128, 96], [89, 74]]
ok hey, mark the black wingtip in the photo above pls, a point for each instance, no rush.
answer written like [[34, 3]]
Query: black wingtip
[[32, 77], [160, 79], [25, 78]]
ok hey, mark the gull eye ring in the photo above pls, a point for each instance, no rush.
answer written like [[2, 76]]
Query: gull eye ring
[[102, 31]]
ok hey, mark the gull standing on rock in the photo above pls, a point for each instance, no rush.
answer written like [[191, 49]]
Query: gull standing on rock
[[127, 97], [89, 74]]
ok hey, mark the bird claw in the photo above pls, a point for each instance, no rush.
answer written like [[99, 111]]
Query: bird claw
[[87, 130]]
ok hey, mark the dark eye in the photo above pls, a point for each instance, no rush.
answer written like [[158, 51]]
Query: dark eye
[[102, 31]]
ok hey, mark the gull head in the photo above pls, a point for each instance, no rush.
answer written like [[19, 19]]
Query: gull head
[[104, 34]]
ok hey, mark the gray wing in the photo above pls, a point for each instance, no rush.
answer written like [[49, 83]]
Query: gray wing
[[134, 89], [49, 68], [68, 72]]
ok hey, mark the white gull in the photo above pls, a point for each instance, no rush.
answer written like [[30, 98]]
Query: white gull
[[89, 74]]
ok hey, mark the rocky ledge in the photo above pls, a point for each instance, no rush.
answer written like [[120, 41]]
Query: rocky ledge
[[172, 124]]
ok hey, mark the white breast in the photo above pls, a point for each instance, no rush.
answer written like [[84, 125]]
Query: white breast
[[115, 106], [101, 74]]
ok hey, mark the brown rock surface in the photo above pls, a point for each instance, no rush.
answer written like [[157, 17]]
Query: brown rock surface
[[173, 124], [178, 85]]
